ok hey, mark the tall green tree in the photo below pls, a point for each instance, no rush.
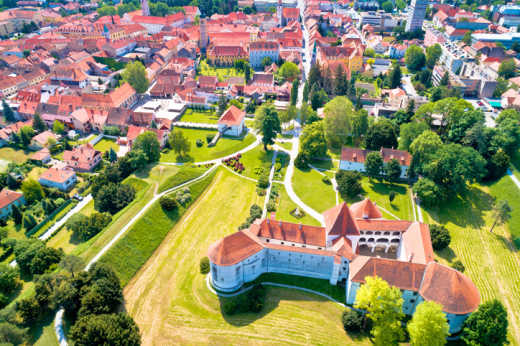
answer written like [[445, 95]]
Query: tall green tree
[[16, 214], [179, 143], [507, 69], [423, 148], [487, 326], [270, 127], [294, 91], [433, 54], [415, 58], [467, 38], [8, 113], [288, 71], [501, 212], [359, 125], [394, 76], [312, 141], [338, 115], [32, 190], [392, 170], [72, 264], [38, 124], [105, 329], [409, 132], [135, 74], [149, 144], [381, 134], [58, 127], [429, 326], [384, 306], [340, 81], [374, 164]]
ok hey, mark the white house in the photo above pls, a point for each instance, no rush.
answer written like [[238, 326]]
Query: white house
[[353, 159], [62, 179], [356, 242], [231, 123]]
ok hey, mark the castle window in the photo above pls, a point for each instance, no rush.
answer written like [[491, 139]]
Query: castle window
[[282, 243], [267, 240]]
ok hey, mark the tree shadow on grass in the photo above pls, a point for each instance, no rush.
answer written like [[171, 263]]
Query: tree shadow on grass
[[465, 210], [507, 242], [36, 330], [448, 254]]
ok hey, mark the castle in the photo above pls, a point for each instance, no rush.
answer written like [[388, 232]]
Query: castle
[[356, 242]]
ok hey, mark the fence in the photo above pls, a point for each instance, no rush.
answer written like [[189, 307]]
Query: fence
[[48, 218]]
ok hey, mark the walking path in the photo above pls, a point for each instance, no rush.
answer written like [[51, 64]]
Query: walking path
[[67, 216], [332, 180], [513, 178], [268, 191]]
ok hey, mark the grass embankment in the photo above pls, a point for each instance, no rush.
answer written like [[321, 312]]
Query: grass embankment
[[204, 117], [225, 146], [169, 300], [491, 260], [182, 176], [311, 189], [139, 243]]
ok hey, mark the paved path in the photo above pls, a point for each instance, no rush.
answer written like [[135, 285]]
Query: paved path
[[288, 185], [513, 178], [67, 216], [332, 180], [268, 191]]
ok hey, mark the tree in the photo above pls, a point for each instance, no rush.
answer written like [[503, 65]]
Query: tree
[[179, 143], [394, 76], [440, 237], [8, 112], [28, 221], [392, 170], [487, 326], [135, 74], [16, 214], [349, 183], [507, 69], [414, 58], [168, 203], [337, 126], [222, 104], [270, 127], [501, 212], [294, 91], [318, 98], [32, 190], [445, 80], [433, 53], [384, 307], [340, 81], [204, 265], [58, 127], [112, 156], [28, 309], [423, 149], [381, 134], [105, 329], [374, 164], [428, 192], [266, 61], [38, 123], [9, 279], [498, 165], [149, 144], [359, 125], [312, 141], [72, 264], [113, 197], [288, 71], [467, 38], [409, 132], [10, 334], [387, 6], [352, 320], [429, 326]]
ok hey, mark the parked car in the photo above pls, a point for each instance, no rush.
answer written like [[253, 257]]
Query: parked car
[[77, 197]]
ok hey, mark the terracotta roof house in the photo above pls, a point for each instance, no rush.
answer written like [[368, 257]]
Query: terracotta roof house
[[9, 198], [354, 243], [83, 158], [353, 159], [62, 179], [134, 131], [231, 123], [226, 55], [43, 156], [40, 140]]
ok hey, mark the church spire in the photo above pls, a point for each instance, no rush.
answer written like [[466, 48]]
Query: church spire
[[144, 8]]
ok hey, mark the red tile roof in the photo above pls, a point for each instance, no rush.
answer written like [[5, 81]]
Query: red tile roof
[[365, 209], [234, 248], [417, 243], [291, 232], [232, 116], [8, 196], [57, 175], [453, 290], [339, 221]]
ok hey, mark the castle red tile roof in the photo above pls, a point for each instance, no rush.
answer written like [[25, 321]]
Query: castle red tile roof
[[405, 275], [365, 209], [8, 196], [339, 221], [383, 225], [417, 243], [453, 290], [291, 232], [234, 248], [232, 116]]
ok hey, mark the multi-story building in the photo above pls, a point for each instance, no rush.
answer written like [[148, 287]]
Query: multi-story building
[[354, 243], [416, 14], [507, 39], [226, 55], [259, 50], [453, 57]]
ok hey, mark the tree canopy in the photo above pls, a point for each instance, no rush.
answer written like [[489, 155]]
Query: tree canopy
[[381, 134], [270, 127], [288, 71], [312, 140], [487, 326], [429, 326], [149, 144], [135, 74], [337, 123], [415, 58]]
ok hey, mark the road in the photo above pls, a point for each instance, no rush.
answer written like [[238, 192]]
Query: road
[[490, 116], [67, 216], [408, 86]]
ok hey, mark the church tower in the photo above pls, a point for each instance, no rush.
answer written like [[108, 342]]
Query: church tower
[[203, 29], [279, 12], [144, 8]]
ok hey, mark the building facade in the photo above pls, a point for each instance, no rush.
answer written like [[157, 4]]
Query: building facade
[[416, 14], [259, 50], [355, 243]]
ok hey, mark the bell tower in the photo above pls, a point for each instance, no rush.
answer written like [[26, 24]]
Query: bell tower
[[279, 12], [203, 29], [145, 8]]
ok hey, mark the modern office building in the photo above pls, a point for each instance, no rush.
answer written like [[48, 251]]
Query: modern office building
[[416, 14]]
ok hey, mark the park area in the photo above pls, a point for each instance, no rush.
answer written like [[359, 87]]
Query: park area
[[225, 146], [169, 299], [222, 73], [106, 144], [9, 154], [199, 116]]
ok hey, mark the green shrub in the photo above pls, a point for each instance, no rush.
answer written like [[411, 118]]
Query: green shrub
[[271, 206], [458, 265], [199, 143], [209, 137], [168, 203], [352, 320], [440, 237], [263, 181], [326, 180], [255, 211], [301, 161], [391, 196], [204, 265]]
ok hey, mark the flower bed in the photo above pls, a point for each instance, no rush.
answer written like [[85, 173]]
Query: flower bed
[[234, 163]]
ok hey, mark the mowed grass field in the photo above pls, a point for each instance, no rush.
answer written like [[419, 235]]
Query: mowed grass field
[[169, 299], [284, 207], [491, 260], [105, 144], [308, 185], [225, 146], [206, 117]]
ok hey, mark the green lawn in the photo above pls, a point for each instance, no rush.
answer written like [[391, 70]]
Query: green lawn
[[139, 243], [491, 260], [105, 144], [225, 146], [8, 154], [182, 176], [378, 192], [308, 185], [285, 145], [284, 207], [170, 302], [193, 116], [255, 160], [222, 73]]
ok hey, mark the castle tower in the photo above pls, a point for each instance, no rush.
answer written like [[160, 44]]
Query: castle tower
[[203, 29], [144, 8]]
